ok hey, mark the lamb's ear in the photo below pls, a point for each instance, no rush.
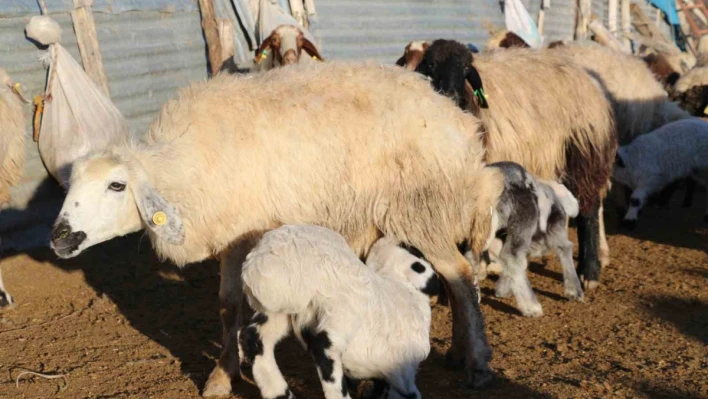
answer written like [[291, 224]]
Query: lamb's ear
[[263, 50], [159, 215], [311, 50], [401, 61], [478, 89]]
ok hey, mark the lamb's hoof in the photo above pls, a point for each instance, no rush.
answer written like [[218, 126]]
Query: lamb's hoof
[[454, 360], [6, 300], [480, 378], [604, 261], [534, 311], [574, 295], [628, 224], [218, 384], [502, 293]]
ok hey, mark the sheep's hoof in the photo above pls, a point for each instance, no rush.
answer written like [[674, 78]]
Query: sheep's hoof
[[590, 285], [218, 384], [480, 378], [604, 260], [534, 311], [628, 224], [6, 301], [574, 296]]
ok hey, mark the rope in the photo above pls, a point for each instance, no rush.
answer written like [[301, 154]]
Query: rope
[[48, 95], [43, 7]]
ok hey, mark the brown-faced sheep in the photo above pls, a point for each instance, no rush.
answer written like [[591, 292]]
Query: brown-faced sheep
[[363, 150], [505, 39], [12, 147], [542, 112], [285, 44]]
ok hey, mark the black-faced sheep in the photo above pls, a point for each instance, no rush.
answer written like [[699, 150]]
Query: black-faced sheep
[[653, 161], [539, 110], [362, 149], [12, 148], [286, 44], [531, 217], [359, 321]]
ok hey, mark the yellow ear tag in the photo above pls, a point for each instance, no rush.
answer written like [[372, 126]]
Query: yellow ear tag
[[314, 57], [159, 218]]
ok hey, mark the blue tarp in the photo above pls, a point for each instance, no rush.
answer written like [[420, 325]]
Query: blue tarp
[[669, 9]]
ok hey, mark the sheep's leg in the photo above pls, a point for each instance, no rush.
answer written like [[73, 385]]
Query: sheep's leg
[[515, 279], [604, 247], [621, 198], [469, 340], [378, 390], [688, 196], [5, 297], [402, 383], [230, 301], [494, 266], [328, 358], [588, 235], [256, 347], [700, 176], [573, 289]]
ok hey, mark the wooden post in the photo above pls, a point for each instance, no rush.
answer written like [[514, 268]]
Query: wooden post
[[603, 36], [626, 21], [211, 33], [87, 39], [584, 11], [226, 38], [541, 21], [643, 24], [612, 6]]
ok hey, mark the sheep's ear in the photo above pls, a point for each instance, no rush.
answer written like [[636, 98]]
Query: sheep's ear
[[311, 49], [401, 61], [477, 88], [619, 161], [159, 215], [263, 50]]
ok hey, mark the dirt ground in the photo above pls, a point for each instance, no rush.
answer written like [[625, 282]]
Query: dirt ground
[[120, 324]]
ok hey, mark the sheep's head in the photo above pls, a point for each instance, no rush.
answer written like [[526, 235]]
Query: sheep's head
[[108, 198], [413, 54], [389, 257], [505, 39], [286, 42], [448, 64]]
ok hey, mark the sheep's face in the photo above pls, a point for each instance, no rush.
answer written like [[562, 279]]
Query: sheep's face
[[413, 55], [99, 206], [287, 42], [448, 64]]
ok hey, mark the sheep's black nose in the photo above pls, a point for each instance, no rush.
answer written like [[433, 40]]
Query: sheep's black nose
[[61, 231]]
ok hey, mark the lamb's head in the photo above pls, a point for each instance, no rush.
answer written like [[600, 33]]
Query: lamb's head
[[448, 64], [109, 197], [388, 257], [286, 43], [413, 55]]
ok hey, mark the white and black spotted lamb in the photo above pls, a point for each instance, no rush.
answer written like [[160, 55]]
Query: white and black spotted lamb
[[358, 321], [530, 218]]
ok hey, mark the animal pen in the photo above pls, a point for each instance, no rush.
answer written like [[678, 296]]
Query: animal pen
[[119, 322]]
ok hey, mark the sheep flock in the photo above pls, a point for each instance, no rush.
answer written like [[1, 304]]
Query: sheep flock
[[339, 197]]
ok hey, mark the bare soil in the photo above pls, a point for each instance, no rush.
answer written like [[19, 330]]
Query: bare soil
[[120, 324]]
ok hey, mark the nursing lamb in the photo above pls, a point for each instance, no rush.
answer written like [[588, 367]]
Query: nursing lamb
[[360, 321]]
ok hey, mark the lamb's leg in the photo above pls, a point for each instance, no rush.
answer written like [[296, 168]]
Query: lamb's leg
[[564, 249], [378, 390], [469, 340], [402, 383], [494, 266], [604, 247], [513, 278], [5, 297], [588, 235], [328, 358], [256, 347], [230, 301]]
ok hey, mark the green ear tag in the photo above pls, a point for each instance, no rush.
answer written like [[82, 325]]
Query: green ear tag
[[482, 97]]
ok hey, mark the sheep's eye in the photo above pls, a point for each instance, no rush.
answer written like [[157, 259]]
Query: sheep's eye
[[418, 267], [115, 186]]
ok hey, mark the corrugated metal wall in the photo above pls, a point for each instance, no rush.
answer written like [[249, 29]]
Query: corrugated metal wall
[[352, 29], [150, 48]]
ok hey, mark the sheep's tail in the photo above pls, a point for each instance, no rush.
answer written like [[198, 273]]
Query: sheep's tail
[[488, 186]]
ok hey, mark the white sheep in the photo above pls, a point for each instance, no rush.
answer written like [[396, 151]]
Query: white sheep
[[531, 219], [654, 160], [362, 149], [283, 47], [12, 148], [360, 321]]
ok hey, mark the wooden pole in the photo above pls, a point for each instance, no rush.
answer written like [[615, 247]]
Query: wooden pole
[[643, 24], [603, 36], [87, 39], [226, 38], [612, 6], [211, 33], [626, 21], [541, 21], [584, 11]]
